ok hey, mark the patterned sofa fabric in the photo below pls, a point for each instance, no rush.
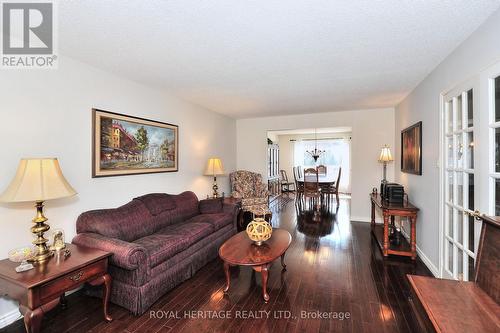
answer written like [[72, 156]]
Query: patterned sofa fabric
[[249, 187], [147, 233]]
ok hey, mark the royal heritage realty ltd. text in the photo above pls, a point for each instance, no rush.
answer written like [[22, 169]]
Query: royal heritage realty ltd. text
[[244, 314]]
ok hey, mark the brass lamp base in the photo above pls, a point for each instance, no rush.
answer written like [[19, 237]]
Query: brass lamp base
[[215, 189], [39, 228]]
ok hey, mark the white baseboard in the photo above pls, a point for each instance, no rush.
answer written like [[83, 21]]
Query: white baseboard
[[365, 219], [9, 317], [434, 270]]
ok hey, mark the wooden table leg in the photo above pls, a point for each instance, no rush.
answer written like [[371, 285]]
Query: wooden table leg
[[386, 235], [32, 319], [283, 261], [265, 274], [373, 216], [106, 280], [413, 237], [228, 276]]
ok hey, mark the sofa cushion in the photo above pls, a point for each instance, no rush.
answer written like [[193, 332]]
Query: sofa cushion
[[217, 220], [186, 206], [173, 239], [157, 203], [161, 247], [127, 222]]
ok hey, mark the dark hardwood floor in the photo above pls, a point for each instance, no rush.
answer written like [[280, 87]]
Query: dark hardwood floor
[[333, 266]]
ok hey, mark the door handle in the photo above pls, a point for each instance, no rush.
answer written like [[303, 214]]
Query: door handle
[[476, 214]]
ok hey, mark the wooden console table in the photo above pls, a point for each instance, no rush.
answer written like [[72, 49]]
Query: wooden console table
[[40, 289], [381, 232]]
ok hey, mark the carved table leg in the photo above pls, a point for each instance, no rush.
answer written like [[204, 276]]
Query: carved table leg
[[265, 273], [413, 237], [228, 276], [283, 261], [386, 235], [106, 280], [32, 319]]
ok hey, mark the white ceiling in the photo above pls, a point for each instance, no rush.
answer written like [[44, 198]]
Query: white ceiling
[[271, 57]]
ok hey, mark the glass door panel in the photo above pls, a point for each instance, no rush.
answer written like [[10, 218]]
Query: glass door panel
[[459, 184]]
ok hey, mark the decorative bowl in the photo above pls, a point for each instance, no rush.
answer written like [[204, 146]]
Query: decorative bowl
[[21, 254], [259, 230]]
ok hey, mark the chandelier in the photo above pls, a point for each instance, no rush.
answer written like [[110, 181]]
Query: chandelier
[[316, 153]]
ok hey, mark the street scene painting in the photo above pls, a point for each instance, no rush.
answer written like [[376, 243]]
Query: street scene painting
[[125, 145]]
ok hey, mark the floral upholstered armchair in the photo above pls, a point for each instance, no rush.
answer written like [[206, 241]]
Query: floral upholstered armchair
[[249, 187]]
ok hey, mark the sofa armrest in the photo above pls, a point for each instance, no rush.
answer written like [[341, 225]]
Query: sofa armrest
[[210, 206], [233, 209], [126, 255]]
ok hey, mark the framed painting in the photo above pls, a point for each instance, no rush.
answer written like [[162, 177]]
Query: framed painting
[[126, 145], [411, 149]]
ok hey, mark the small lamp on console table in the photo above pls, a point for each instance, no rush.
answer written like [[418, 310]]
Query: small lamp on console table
[[214, 169], [385, 157], [38, 180]]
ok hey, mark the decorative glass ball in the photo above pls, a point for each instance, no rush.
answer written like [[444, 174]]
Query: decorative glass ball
[[259, 230]]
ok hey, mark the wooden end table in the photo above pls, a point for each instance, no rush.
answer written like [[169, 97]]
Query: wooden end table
[[381, 233], [40, 289], [240, 250]]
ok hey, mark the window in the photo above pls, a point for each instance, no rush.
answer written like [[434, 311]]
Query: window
[[337, 154]]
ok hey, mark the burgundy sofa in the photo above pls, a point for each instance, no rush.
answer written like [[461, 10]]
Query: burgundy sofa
[[158, 241]]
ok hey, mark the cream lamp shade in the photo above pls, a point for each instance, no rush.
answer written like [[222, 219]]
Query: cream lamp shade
[[385, 154], [37, 179], [214, 167]]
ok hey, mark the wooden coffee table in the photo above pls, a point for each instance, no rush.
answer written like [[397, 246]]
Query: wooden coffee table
[[240, 250]]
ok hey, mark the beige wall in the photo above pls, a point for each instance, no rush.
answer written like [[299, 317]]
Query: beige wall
[[479, 51], [48, 113]]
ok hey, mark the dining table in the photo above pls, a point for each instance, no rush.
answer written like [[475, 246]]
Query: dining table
[[323, 180]]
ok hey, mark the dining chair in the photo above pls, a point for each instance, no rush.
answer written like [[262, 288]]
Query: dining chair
[[299, 171], [322, 169], [285, 184], [311, 187], [299, 186], [333, 188]]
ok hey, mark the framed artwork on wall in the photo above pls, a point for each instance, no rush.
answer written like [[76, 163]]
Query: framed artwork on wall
[[126, 145], [411, 149]]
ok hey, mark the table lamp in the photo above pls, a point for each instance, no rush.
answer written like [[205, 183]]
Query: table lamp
[[38, 180], [385, 157], [214, 169]]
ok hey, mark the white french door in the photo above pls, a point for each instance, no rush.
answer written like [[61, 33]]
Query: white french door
[[460, 173], [490, 85], [471, 169]]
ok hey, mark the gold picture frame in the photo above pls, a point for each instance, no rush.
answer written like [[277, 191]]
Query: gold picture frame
[[127, 145]]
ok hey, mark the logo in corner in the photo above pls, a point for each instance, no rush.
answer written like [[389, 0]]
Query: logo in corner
[[28, 35]]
